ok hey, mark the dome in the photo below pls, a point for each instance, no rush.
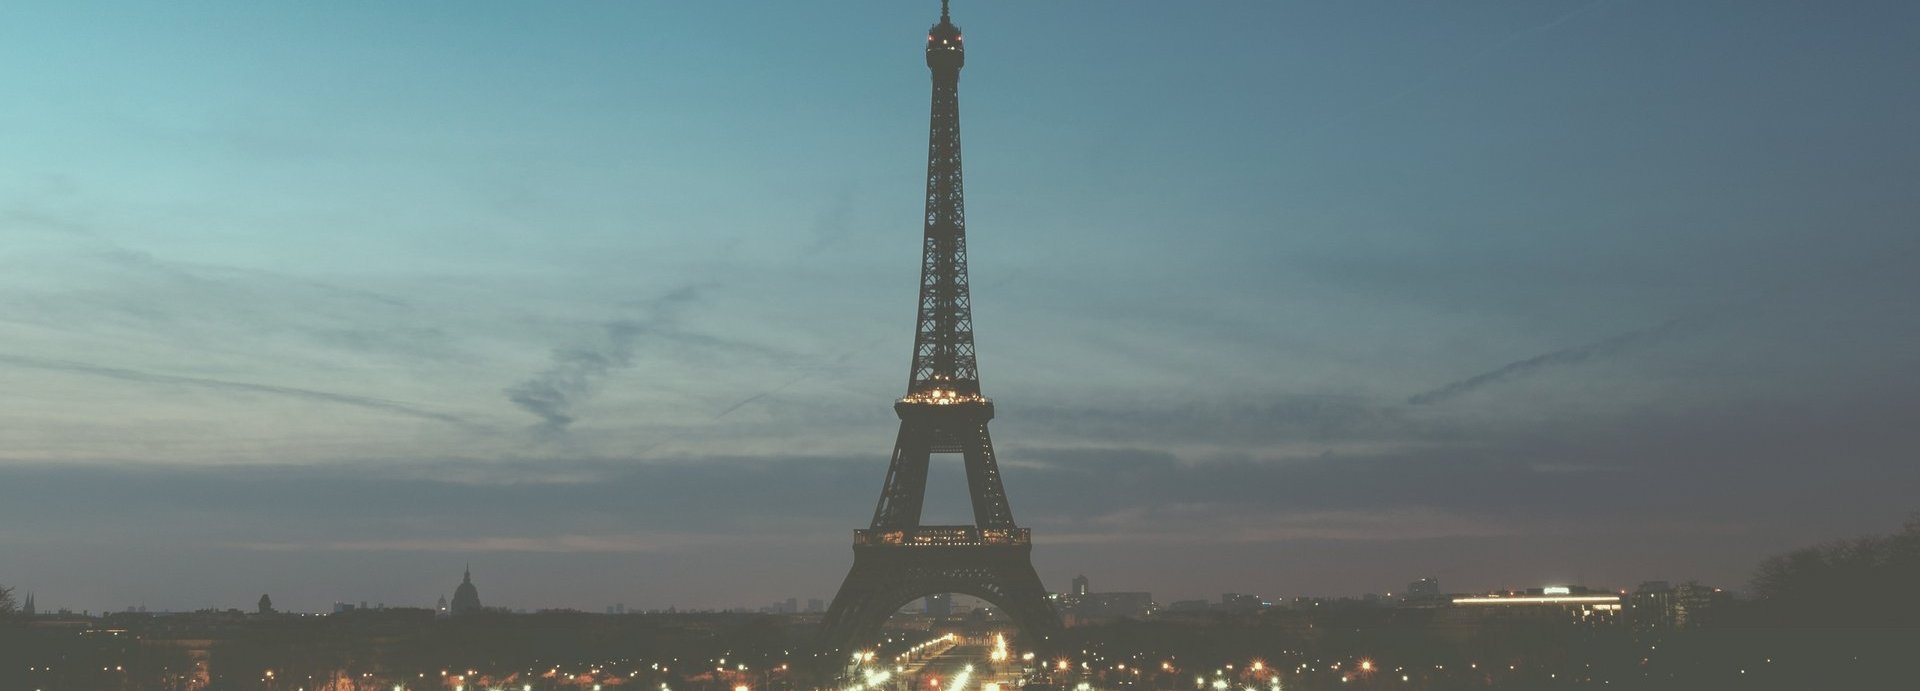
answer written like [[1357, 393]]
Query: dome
[[466, 598]]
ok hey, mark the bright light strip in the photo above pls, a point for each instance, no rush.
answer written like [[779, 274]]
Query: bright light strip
[[1537, 600]]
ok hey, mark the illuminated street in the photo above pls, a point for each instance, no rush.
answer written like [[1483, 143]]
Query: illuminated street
[[948, 663]]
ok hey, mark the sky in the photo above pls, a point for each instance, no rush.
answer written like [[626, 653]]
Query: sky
[[611, 299]]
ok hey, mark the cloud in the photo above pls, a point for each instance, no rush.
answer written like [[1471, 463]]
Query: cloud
[[1317, 421], [546, 544], [1569, 356], [576, 369], [1174, 525], [366, 402]]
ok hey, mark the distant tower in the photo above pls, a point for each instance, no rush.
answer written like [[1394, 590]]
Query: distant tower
[[1080, 585], [466, 598], [266, 604], [27, 608], [897, 559], [440, 608]]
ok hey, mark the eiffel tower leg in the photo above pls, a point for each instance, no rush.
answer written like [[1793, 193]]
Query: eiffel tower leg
[[906, 486], [990, 508]]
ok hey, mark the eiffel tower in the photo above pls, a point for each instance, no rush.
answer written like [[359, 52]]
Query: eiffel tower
[[897, 560]]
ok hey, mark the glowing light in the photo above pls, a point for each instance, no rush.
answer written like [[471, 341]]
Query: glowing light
[[1538, 599]]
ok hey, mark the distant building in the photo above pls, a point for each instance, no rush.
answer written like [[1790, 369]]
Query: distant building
[[440, 608], [266, 604], [815, 604], [466, 598], [940, 605], [1696, 605], [27, 608], [1424, 593], [1187, 606], [1237, 602], [1660, 605], [1651, 606], [1575, 602], [1093, 607], [1080, 585]]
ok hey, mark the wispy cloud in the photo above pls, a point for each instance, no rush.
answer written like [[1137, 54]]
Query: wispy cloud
[[367, 402], [576, 369], [1177, 525], [547, 544]]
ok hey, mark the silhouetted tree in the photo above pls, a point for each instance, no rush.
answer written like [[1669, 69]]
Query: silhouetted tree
[[1861, 582], [7, 605]]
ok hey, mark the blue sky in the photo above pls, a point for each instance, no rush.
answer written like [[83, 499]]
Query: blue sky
[[1319, 296]]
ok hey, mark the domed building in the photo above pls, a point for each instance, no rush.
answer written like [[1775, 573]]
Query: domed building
[[466, 598]]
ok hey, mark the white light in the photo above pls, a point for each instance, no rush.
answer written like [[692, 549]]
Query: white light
[[1537, 600]]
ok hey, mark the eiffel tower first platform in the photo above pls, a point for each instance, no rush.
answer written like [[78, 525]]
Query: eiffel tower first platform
[[896, 559]]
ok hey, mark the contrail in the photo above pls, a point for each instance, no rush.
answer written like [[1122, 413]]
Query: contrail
[[222, 384], [1568, 356]]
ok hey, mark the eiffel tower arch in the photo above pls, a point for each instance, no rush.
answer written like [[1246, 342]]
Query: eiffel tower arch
[[897, 559]]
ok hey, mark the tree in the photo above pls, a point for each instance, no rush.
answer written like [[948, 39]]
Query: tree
[[1860, 582], [7, 605]]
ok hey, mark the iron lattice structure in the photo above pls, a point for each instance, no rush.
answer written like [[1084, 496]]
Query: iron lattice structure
[[898, 560]]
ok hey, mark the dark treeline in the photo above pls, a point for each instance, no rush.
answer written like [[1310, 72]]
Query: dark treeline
[[1864, 582]]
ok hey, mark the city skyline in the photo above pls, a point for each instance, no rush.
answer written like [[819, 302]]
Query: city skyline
[[610, 301]]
